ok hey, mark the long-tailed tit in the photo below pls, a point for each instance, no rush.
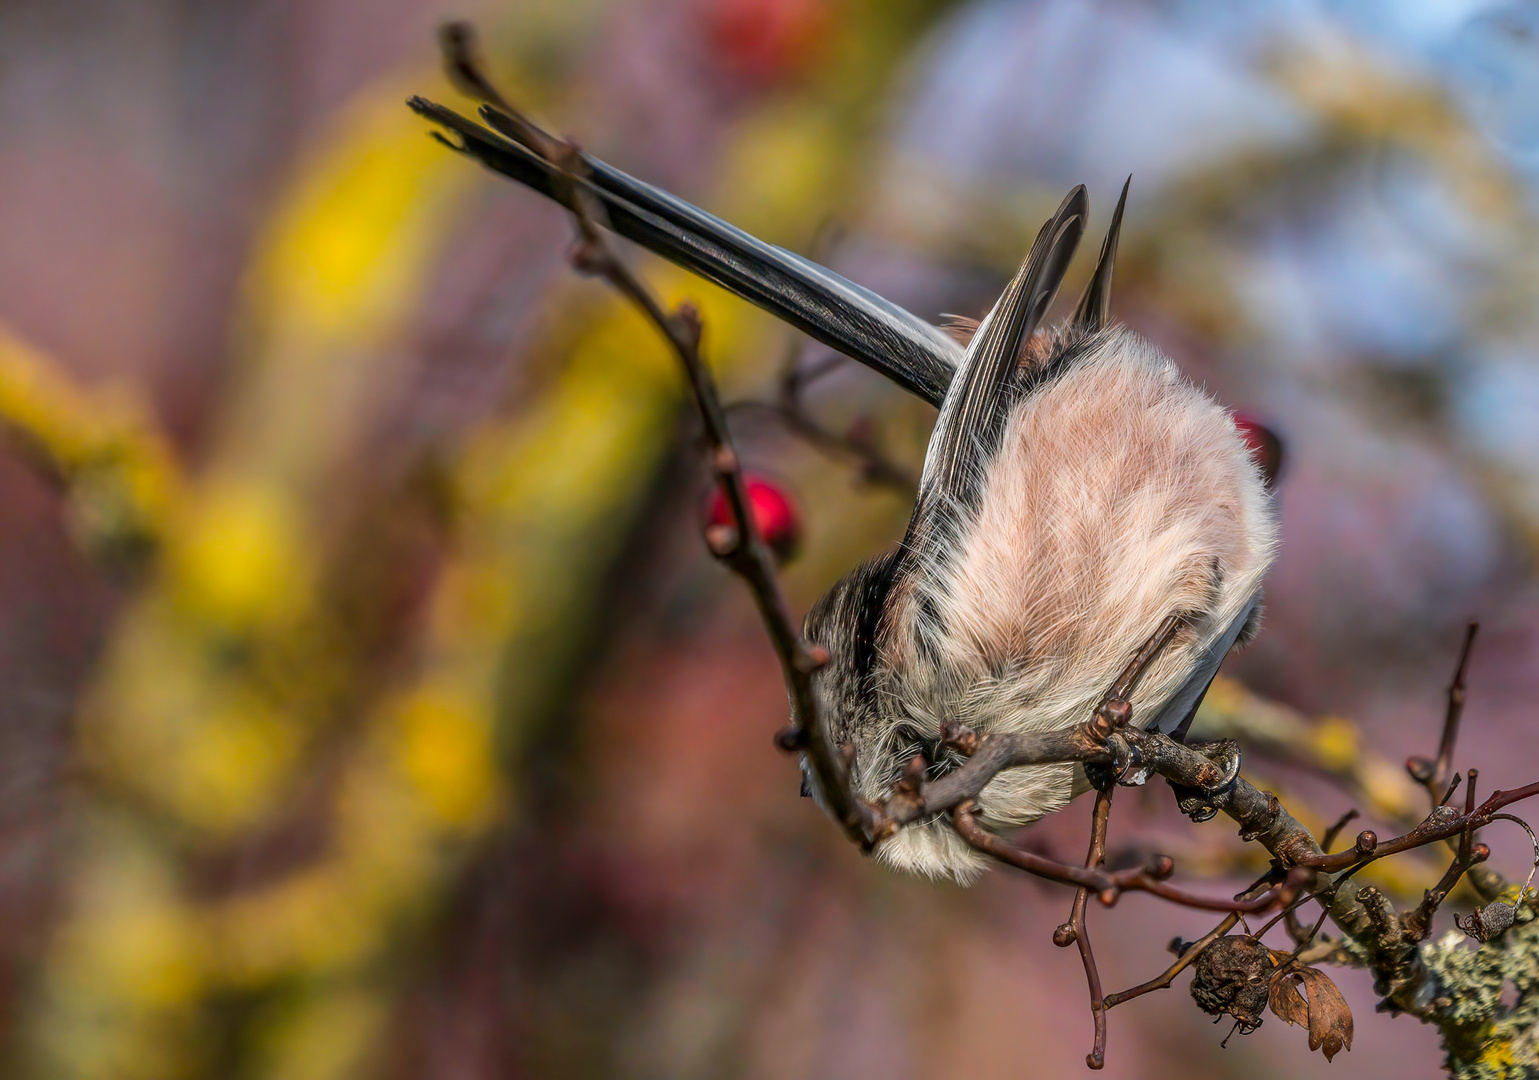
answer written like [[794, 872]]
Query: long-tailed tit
[[1078, 493]]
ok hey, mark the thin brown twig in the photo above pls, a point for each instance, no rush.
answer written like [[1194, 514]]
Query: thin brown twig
[[875, 466], [1109, 885], [1418, 922], [1077, 932], [1192, 950], [1166, 977], [741, 548], [1127, 681], [1435, 828], [1467, 837], [1291, 923], [1434, 775], [797, 378], [791, 407]]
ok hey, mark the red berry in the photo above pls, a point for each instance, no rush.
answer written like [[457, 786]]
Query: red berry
[[1264, 445], [764, 42], [773, 512]]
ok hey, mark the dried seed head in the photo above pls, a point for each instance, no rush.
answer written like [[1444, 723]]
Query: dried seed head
[[1491, 921], [1232, 977]]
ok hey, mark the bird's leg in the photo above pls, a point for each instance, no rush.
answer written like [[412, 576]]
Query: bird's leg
[[1110, 725], [1198, 803]]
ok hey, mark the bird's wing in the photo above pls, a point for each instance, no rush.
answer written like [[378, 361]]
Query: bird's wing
[[972, 416]]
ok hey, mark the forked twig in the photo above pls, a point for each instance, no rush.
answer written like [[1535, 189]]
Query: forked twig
[[790, 409], [1076, 932], [875, 467]]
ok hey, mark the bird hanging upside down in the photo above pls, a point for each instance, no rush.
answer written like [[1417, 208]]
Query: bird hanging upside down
[[1077, 492], [1078, 495]]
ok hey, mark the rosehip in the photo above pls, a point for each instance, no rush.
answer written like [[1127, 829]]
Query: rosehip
[[764, 42], [773, 512], [1264, 445]]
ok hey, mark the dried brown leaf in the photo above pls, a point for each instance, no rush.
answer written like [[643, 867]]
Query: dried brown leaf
[[1306, 997]]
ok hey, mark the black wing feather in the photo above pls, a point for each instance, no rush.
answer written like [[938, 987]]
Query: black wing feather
[[1094, 309], [973, 414]]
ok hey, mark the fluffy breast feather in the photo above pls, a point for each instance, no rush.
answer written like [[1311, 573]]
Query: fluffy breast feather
[[1121, 494]]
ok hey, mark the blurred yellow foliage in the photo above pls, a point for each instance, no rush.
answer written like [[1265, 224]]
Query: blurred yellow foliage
[[225, 678], [120, 477], [229, 665], [238, 558], [444, 745]]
